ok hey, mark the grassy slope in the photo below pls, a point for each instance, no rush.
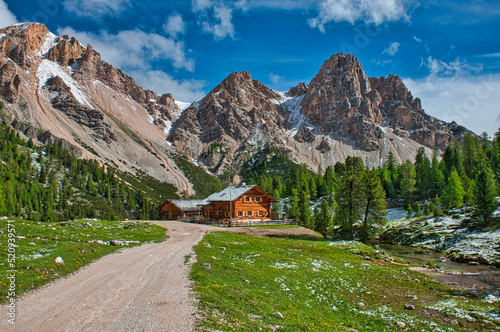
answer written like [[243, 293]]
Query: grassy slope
[[318, 287], [36, 265]]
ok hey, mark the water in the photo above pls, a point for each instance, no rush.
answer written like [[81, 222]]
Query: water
[[480, 279]]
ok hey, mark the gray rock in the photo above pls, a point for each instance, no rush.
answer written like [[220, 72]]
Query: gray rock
[[59, 260], [454, 322], [207, 266], [401, 324], [31, 244], [117, 243], [361, 305], [409, 306]]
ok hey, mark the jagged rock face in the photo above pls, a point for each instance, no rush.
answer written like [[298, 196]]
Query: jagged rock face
[[57, 90], [343, 102], [299, 90], [68, 94], [341, 112], [228, 115], [63, 100]]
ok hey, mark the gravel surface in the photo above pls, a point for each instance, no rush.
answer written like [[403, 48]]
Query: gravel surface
[[144, 288]]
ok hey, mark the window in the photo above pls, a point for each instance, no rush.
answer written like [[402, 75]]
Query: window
[[240, 214], [261, 213], [249, 213], [226, 213], [258, 199], [247, 199]]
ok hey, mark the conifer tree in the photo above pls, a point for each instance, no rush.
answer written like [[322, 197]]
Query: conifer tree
[[454, 192], [349, 194], [375, 204], [485, 194], [408, 181], [323, 218]]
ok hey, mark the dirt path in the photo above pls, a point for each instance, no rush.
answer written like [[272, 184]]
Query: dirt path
[[139, 289], [143, 288]]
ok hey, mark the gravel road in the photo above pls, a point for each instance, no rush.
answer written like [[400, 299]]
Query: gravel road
[[144, 288]]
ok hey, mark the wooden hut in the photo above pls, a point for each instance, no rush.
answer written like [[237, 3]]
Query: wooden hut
[[242, 204]]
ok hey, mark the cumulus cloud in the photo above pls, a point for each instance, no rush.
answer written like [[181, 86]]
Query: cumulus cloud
[[215, 18], [134, 51], [161, 82], [392, 49], [6, 16], [175, 25], [96, 8], [368, 11], [457, 91], [222, 25], [135, 48]]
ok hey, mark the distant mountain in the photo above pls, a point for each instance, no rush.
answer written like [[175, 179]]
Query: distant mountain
[[56, 90], [341, 112]]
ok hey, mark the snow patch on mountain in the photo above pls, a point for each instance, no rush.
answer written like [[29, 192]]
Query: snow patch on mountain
[[49, 69], [182, 105], [50, 42]]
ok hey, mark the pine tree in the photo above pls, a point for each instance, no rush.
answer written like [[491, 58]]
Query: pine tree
[[349, 194], [454, 192], [485, 194], [323, 218], [408, 181], [305, 214], [375, 204]]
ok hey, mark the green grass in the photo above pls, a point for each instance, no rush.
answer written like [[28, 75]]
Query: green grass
[[321, 287], [35, 264]]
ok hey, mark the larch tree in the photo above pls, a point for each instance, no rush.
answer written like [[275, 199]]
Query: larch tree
[[454, 191], [485, 194]]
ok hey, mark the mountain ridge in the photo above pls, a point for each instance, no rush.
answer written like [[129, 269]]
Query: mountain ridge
[[56, 89]]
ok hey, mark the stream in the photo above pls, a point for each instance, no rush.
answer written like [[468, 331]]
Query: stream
[[477, 279]]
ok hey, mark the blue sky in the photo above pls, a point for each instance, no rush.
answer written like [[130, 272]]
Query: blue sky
[[447, 52]]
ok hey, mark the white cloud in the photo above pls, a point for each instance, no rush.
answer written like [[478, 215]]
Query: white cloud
[[274, 78], [160, 82], [201, 5], [134, 49], [456, 68], [223, 26], [457, 91], [368, 11], [175, 25], [96, 8], [418, 40], [215, 18], [392, 49], [6, 16]]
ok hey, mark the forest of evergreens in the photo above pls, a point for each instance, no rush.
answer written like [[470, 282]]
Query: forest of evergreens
[[353, 199], [47, 183]]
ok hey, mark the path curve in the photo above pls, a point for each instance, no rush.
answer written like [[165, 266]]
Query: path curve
[[144, 288]]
